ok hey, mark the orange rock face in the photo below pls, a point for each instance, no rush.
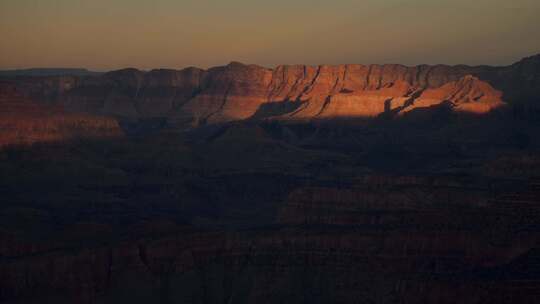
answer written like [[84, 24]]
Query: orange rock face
[[468, 94], [229, 93], [302, 92], [193, 96]]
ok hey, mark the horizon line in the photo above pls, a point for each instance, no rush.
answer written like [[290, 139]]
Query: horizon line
[[232, 62]]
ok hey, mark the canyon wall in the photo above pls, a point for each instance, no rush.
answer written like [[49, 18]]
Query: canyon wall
[[236, 92], [385, 239], [26, 120]]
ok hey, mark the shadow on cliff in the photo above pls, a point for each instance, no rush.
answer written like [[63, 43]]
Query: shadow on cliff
[[277, 108], [211, 175]]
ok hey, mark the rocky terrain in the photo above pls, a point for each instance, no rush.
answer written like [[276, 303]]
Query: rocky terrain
[[242, 184], [194, 97], [442, 240], [26, 120]]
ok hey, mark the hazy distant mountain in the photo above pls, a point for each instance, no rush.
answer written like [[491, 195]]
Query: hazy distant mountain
[[48, 72]]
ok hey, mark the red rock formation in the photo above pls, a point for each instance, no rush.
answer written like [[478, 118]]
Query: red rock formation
[[468, 94], [132, 93], [236, 91], [228, 93], [24, 120]]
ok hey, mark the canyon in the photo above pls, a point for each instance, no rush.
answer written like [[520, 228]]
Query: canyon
[[193, 97], [429, 240], [298, 184]]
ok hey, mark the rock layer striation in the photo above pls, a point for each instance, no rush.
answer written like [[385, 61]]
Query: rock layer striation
[[192, 96]]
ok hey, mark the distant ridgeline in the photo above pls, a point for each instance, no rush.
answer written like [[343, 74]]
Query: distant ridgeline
[[42, 72], [195, 97]]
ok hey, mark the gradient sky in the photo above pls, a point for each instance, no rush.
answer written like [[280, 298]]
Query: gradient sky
[[111, 34]]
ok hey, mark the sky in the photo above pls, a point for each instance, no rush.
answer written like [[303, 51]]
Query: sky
[[111, 34]]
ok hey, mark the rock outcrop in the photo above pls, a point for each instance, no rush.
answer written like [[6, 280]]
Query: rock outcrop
[[236, 92], [23, 120], [468, 94], [233, 92]]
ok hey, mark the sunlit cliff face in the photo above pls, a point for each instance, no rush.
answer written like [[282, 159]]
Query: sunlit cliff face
[[108, 35]]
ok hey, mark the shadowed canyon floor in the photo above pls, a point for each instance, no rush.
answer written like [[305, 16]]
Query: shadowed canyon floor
[[240, 184]]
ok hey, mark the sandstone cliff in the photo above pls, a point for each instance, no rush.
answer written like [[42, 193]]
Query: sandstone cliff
[[23, 120], [236, 92]]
